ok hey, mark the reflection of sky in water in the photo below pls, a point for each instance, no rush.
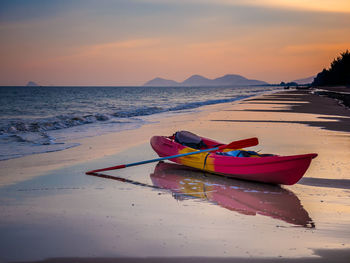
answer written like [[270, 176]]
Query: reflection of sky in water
[[69, 214]]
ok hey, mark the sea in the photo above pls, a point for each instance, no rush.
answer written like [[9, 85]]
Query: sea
[[36, 120]]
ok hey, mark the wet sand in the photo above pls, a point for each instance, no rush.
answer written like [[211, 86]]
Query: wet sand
[[50, 211]]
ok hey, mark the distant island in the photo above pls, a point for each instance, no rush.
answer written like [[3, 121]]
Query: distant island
[[32, 84], [197, 80]]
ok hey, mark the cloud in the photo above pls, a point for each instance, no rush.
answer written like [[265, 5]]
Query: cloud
[[341, 6]]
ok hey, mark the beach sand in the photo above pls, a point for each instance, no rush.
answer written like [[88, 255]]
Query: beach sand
[[50, 211]]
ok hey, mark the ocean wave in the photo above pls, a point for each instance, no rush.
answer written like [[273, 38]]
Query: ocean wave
[[40, 126], [53, 117], [59, 122], [144, 111], [33, 138], [141, 111]]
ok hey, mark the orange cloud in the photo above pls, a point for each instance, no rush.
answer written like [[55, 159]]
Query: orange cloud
[[341, 6]]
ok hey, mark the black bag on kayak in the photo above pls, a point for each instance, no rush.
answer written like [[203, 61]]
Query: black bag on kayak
[[189, 139]]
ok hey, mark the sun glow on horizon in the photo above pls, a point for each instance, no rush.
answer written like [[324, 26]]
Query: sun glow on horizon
[[108, 43], [342, 6], [318, 5]]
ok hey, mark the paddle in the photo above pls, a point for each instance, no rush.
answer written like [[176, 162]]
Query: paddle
[[233, 145]]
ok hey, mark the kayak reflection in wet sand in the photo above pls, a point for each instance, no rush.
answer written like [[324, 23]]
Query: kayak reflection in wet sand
[[244, 197], [241, 196]]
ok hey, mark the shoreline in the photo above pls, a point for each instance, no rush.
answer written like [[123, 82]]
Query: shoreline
[[27, 135], [304, 102], [341, 94], [334, 117], [52, 211], [95, 147]]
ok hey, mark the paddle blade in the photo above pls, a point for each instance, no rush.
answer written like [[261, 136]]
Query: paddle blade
[[241, 144]]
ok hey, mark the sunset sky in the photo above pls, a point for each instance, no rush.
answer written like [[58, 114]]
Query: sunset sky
[[128, 42]]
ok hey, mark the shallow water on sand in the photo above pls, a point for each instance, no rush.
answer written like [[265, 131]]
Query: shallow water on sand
[[163, 210]]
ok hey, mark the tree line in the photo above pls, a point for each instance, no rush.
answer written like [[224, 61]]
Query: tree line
[[337, 74]]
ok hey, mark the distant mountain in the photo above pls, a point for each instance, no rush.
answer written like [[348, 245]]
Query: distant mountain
[[231, 79], [197, 80], [32, 84], [305, 80], [160, 82]]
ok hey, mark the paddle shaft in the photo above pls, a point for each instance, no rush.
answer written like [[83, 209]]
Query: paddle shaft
[[150, 161], [233, 145]]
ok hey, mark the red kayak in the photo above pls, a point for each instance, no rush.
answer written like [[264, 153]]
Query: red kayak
[[267, 168]]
